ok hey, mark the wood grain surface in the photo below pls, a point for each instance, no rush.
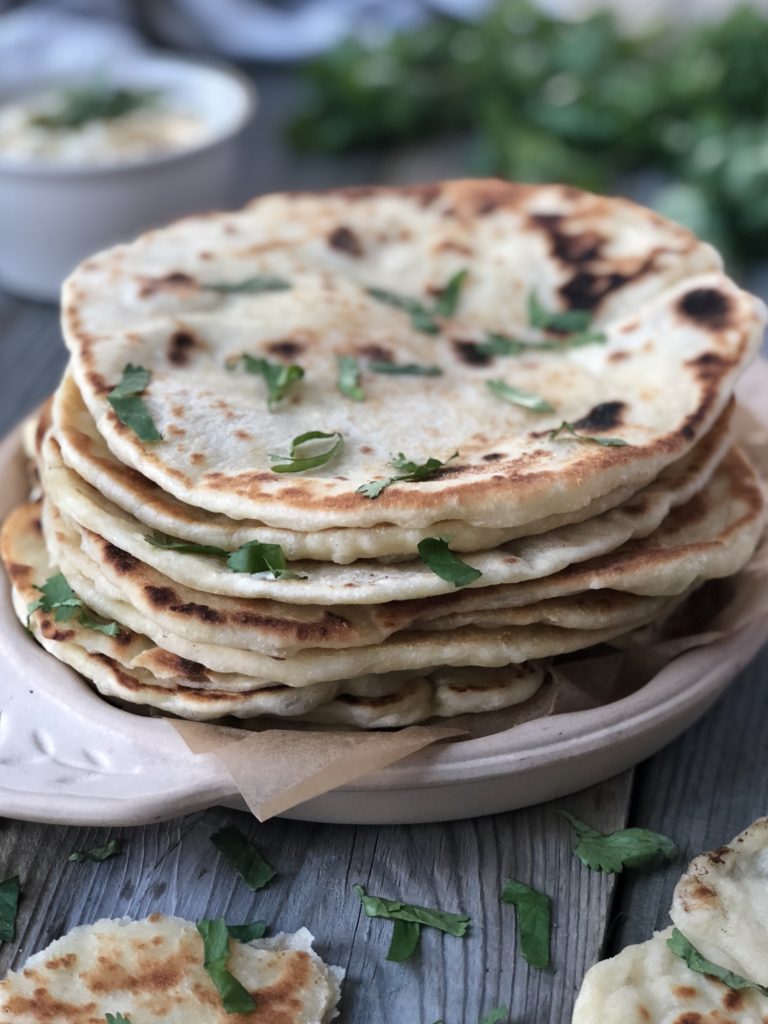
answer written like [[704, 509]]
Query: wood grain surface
[[701, 790], [460, 866]]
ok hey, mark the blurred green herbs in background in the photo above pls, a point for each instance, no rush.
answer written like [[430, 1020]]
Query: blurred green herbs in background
[[550, 100]]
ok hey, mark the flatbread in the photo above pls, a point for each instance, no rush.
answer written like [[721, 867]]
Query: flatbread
[[711, 536], [404, 651], [83, 451], [152, 972], [721, 904], [371, 702], [180, 687], [281, 630], [374, 582], [678, 331], [649, 984], [409, 652]]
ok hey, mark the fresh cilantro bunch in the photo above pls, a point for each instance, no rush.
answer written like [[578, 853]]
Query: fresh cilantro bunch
[[576, 101]]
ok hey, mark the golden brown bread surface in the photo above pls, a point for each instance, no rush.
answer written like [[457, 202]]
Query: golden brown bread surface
[[678, 334]]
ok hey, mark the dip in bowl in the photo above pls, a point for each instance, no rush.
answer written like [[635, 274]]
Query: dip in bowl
[[87, 163]]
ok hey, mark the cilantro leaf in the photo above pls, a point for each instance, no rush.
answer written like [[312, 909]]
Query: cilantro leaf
[[502, 345], [98, 626], [448, 297], [9, 905], [349, 378], [569, 321], [534, 920], [59, 598], [681, 947], [581, 338], [374, 487], [293, 463], [243, 856], [116, 1018], [125, 398], [567, 432], [505, 391], [422, 316], [495, 1016], [419, 470], [95, 101], [496, 344], [185, 547], [404, 369], [572, 325], [252, 285], [437, 556], [235, 998], [97, 853], [277, 376], [134, 380], [396, 910], [614, 851], [253, 557], [410, 472], [247, 932], [260, 559], [405, 940]]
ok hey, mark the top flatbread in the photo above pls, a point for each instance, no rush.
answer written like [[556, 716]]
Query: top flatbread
[[678, 335]]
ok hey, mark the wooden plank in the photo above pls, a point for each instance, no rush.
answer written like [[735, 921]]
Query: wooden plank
[[32, 357], [702, 791], [172, 867]]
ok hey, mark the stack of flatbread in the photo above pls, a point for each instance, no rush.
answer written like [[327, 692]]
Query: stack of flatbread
[[373, 456], [712, 966]]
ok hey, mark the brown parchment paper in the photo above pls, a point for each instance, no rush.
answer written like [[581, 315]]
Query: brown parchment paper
[[276, 768]]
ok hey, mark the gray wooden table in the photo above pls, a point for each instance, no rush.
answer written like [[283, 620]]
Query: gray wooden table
[[701, 790]]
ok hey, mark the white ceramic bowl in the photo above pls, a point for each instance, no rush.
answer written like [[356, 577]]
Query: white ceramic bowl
[[53, 215]]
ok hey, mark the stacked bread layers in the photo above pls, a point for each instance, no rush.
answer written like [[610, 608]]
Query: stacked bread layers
[[376, 456]]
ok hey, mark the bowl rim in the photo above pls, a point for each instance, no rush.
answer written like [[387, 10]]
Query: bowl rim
[[50, 170]]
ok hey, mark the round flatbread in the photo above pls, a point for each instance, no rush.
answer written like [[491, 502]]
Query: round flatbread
[[721, 904], [408, 652], [404, 651], [85, 453], [180, 302], [104, 968], [127, 667], [283, 630], [368, 582], [711, 536], [649, 984]]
